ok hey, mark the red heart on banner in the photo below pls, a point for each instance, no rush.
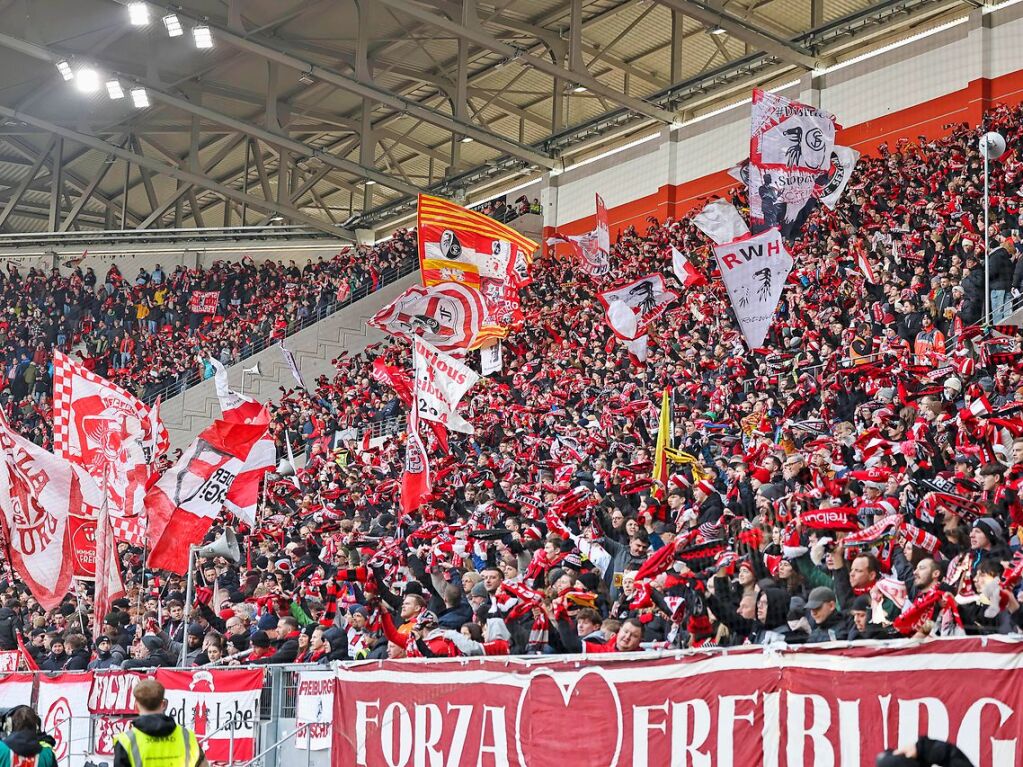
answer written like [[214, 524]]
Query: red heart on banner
[[554, 715]]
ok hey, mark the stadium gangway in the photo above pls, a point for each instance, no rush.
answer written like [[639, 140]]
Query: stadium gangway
[[255, 346]]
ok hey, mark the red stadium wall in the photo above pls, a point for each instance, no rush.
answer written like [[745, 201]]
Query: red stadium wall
[[929, 118]]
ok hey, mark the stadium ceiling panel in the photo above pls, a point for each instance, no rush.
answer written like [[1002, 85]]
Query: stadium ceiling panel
[[333, 114]]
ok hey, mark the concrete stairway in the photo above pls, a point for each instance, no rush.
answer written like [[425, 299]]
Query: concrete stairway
[[189, 413]]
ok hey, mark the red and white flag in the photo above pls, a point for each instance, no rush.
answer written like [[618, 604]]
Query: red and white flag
[[863, 263], [109, 585], [182, 505], [243, 497], [38, 493], [594, 247], [416, 482], [451, 316], [687, 274]]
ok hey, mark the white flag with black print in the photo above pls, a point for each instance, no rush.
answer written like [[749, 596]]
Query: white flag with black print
[[790, 135], [647, 297], [843, 163], [754, 270]]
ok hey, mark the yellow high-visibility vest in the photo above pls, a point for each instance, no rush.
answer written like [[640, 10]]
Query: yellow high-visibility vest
[[179, 749]]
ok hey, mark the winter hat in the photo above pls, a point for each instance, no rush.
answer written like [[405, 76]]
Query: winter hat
[[705, 487], [989, 527], [479, 590], [260, 639], [267, 622], [195, 630], [152, 642]]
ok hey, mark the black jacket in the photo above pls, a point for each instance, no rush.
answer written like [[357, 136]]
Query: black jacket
[[1000, 269], [10, 624], [833, 628], [287, 651]]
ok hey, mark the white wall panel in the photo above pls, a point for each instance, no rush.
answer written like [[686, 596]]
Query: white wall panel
[[619, 179]]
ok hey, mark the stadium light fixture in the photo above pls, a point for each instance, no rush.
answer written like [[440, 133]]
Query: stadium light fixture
[[65, 70], [138, 14], [717, 29], [173, 25], [114, 90], [370, 182], [139, 98], [466, 139], [87, 80], [579, 89], [203, 37]]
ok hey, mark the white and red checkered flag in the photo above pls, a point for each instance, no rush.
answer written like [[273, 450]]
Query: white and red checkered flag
[[110, 433]]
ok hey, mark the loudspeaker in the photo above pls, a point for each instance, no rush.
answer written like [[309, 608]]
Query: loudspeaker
[[225, 546], [993, 145], [254, 370]]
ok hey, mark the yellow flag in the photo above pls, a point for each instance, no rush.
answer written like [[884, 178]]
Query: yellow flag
[[663, 445]]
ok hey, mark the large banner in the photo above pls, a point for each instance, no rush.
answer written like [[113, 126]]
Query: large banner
[[220, 707], [806, 707], [112, 705], [64, 708]]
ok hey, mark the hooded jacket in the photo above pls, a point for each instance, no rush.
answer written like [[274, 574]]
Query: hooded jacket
[[30, 744]]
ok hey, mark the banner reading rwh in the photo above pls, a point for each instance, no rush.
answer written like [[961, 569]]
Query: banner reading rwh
[[749, 706]]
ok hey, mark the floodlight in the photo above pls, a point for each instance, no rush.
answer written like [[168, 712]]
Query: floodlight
[[138, 14], [114, 90], [87, 80], [172, 25], [65, 70], [203, 37], [139, 98]]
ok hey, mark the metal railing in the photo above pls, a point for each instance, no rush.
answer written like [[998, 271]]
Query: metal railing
[[189, 378]]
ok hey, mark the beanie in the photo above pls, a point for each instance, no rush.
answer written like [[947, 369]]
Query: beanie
[[705, 487]]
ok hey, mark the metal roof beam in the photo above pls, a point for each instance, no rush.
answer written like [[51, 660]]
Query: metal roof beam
[[742, 30], [187, 177], [264, 49], [480, 37]]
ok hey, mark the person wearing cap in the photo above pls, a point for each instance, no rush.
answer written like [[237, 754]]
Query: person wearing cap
[[152, 653], [287, 644], [105, 658], [828, 623], [154, 739], [426, 640]]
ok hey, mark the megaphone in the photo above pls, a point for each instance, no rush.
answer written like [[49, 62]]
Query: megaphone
[[254, 370], [225, 546], [286, 468]]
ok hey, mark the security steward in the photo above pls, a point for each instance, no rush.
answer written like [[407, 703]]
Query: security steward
[[155, 739]]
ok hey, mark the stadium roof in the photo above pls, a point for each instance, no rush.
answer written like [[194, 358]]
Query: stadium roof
[[332, 114]]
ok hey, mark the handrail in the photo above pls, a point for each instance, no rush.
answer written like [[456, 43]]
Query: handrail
[[190, 377]]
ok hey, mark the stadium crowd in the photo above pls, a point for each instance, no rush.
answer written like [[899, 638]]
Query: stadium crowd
[[140, 332], [856, 479]]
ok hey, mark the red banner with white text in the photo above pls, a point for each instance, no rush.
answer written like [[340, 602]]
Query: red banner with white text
[[747, 706]]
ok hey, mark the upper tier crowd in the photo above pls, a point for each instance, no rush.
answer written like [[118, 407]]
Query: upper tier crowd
[[859, 480], [140, 331]]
